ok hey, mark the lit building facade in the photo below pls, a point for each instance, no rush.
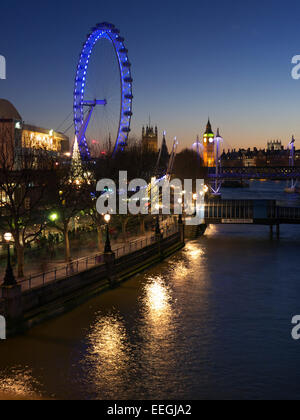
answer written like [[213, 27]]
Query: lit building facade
[[16, 136], [150, 139], [258, 158], [209, 147], [39, 138], [274, 145]]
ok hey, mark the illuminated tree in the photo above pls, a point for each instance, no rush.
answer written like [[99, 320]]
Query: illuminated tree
[[67, 196], [77, 173], [24, 174]]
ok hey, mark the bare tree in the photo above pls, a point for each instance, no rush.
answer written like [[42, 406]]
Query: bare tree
[[97, 221], [68, 196], [188, 165], [23, 181]]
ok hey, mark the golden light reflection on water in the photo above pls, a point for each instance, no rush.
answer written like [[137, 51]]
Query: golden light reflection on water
[[18, 383], [194, 251], [158, 331], [211, 230], [158, 311], [107, 357], [180, 270], [158, 298]]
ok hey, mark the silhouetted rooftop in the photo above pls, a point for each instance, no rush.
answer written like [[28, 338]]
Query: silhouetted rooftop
[[8, 111]]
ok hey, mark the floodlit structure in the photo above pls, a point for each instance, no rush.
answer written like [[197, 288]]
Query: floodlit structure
[[209, 147], [16, 135], [150, 138], [218, 184], [84, 106], [291, 188]]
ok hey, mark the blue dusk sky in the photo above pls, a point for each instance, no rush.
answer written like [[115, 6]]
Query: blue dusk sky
[[230, 60]]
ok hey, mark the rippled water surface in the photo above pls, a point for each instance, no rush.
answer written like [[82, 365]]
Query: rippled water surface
[[214, 321]]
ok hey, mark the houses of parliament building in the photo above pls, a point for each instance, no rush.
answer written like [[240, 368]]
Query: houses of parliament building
[[150, 138]]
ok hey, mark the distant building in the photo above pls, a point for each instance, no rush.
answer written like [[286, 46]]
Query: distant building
[[164, 150], [258, 158], [163, 157], [274, 145], [150, 139], [209, 147], [19, 135]]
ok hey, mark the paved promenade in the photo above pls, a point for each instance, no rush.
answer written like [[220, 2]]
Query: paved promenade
[[82, 260]]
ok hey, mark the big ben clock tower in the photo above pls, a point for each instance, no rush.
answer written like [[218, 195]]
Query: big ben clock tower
[[209, 147]]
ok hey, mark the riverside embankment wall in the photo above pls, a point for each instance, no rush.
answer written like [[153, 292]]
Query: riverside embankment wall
[[55, 298]]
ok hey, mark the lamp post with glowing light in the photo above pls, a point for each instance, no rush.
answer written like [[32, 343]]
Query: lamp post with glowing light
[[109, 256], [107, 248], [218, 140], [180, 219], [158, 236], [53, 217], [9, 279]]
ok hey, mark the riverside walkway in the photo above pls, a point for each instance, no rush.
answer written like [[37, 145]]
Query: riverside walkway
[[79, 265]]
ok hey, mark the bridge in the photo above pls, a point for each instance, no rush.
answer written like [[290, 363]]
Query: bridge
[[264, 212], [250, 212], [272, 173]]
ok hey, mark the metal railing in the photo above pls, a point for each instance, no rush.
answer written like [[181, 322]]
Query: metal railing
[[83, 264], [229, 209], [251, 172], [288, 213], [249, 209]]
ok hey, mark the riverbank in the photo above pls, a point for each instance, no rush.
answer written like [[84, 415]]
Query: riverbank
[[213, 321], [25, 307]]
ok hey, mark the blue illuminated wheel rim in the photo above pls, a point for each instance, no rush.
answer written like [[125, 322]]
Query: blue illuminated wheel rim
[[109, 32]]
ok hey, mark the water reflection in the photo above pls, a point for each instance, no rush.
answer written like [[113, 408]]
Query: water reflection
[[18, 383], [194, 251], [157, 306], [183, 329], [211, 230], [180, 270], [107, 356]]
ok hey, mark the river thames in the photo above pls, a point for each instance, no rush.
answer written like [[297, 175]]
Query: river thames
[[212, 322]]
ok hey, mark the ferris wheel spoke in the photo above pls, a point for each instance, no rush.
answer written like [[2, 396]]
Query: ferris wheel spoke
[[109, 101]]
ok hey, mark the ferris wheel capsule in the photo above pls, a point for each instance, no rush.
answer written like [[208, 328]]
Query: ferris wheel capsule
[[107, 31]]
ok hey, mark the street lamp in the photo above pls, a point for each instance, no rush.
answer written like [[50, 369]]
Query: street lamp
[[8, 237], [9, 279], [107, 248], [53, 217], [180, 201]]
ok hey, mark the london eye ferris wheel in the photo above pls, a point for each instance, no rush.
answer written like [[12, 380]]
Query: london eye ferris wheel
[[103, 92]]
